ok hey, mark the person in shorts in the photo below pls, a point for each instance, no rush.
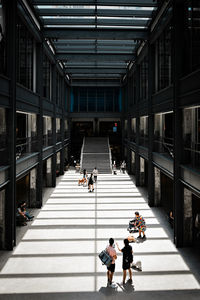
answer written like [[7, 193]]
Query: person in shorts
[[127, 260], [111, 269]]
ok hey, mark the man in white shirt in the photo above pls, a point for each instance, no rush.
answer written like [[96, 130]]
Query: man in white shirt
[[95, 173]]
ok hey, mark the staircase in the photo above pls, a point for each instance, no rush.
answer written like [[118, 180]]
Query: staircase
[[96, 153]]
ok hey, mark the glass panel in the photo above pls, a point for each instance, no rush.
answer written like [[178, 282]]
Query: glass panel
[[109, 100], [191, 136], [83, 100], [91, 99], [47, 131], [3, 137], [2, 40], [26, 134], [144, 131], [25, 56], [100, 100], [163, 134]]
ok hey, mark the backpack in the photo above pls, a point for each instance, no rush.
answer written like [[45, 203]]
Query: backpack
[[105, 258]]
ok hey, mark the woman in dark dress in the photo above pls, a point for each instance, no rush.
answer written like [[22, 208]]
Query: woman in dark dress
[[127, 260], [90, 183]]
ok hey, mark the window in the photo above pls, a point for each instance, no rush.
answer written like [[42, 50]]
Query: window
[[46, 78], [2, 40], [25, 48], [3, 137], [163, 60], [191, 136], [144, 79], [96, 99], [193, 33]]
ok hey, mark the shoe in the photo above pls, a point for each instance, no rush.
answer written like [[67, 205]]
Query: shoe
[[139, 237], [113, 285], [144, 237], [108, 284], [130, 281]]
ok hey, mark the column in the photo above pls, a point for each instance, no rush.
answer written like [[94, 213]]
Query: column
[[11, 50], [151, 82], [33, 189], [62, 127], [177, 65], [157, 187], [39, 88], [54, 125], [137, 158], [188, 218]]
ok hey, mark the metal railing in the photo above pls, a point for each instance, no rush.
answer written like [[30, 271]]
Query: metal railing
[[81, 158], [110, 155]]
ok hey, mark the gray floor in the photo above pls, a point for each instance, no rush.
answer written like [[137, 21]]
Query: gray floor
[[57, 257]]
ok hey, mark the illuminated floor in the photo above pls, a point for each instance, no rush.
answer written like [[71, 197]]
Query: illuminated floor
[[58, 256]]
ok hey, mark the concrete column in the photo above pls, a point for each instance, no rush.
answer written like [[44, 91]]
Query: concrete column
[[142, 170], [49, 172], [157, 187], [2, 218], [33, 194], [188, 221], [133, 162]]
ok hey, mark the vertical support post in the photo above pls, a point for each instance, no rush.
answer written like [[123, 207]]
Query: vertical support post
[[62, 129], [54, 157], [151, 81], [188, 218], [177, 46], [39, 88], [137, 157], [11, 50]]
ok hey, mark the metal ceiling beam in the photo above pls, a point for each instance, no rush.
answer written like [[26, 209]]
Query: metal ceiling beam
[[103, 22], [95, 57], [98, 65], [96, 75], [97, 83], [95, 71], [91, 12], [96, 42], [141, 3], [102, 34], [94, 51]]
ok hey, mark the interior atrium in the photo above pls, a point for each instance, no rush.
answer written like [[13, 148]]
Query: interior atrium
[[99, 83]]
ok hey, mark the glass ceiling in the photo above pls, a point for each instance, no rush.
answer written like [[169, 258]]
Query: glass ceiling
[[97, 33]]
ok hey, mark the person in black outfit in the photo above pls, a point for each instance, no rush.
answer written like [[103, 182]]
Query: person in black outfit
[[127, 260], [90, 183]]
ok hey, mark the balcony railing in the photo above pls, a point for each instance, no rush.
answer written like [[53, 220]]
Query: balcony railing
[[164, 145], [25, 146]]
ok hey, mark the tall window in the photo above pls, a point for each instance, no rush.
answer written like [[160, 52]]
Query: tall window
[[3, 137], [46, 78], [25, 56], [191, 136], [163, 60], [96, 99], [193, 34], [2, 40], [144, 79]]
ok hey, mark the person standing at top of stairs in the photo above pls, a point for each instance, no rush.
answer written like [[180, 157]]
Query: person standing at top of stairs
[[95, 173]]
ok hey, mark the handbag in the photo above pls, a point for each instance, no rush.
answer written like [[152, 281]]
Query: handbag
[[105, 258]]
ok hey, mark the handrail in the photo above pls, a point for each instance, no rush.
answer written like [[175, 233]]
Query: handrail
[[110, 155], [81, 158]]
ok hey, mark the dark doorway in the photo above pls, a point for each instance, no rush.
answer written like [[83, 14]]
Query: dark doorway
[[23, 190], [196, 219], [166, 193]]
